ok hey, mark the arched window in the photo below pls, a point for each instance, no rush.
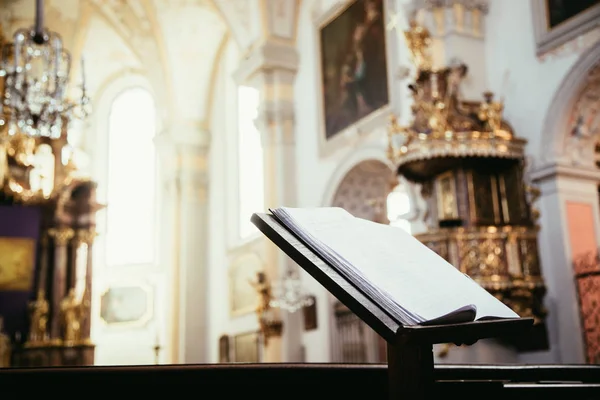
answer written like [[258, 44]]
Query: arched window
[[131, 179], [398, 207], [251, 170]]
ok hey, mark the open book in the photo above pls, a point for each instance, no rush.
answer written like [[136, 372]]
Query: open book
[[409, 281]]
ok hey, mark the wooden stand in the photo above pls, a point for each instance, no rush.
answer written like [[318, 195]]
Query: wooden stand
[[410, 348], [54, 355]]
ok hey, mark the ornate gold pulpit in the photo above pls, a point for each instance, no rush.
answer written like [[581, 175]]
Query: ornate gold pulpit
[[470, 167]]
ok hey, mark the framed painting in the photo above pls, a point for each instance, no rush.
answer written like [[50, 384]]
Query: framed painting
[[557, 22], [243, 297], [224, 349], [17, 263], [127, 305], [353, 65], [245, 348]]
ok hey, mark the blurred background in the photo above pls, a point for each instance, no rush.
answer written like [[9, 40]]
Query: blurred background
[[137, 137]]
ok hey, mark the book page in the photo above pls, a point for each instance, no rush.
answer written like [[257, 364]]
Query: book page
[[394, 261]]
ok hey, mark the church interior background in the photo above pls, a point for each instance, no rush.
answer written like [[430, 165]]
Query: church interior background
[[138, 137]]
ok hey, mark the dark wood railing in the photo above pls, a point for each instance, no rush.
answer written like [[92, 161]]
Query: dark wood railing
[[315, 381]]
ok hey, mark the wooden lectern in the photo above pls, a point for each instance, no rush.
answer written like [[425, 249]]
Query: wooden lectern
[[410, 348]]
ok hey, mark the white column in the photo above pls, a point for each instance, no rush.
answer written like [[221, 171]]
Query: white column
[[559, 185], [167, 200], [184, 239], [271, 68]]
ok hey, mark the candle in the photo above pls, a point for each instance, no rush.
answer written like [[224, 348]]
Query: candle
[[82, 73]]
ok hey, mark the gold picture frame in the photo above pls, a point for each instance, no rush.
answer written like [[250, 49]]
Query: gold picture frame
[[246, 348], [243, 297], [17, 263], [127, 305], [447, 204]]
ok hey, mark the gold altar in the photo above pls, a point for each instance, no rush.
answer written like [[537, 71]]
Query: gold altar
[[470, 167], [47, 280]]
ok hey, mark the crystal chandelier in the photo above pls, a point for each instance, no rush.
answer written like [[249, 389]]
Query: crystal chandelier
[[288, 294], [36, 68]]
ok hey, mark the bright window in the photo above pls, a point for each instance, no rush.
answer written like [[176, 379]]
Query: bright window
[[398, 206], [131, 185], [251, 169]]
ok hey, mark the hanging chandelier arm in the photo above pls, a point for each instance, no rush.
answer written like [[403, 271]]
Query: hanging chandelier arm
[[39, 22]]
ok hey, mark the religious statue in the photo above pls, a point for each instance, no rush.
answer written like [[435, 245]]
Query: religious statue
[[268, 322], [71, 311], [264, 292], [490, 112], [38, 318], [438, 118], [418, 41], [4, 346]]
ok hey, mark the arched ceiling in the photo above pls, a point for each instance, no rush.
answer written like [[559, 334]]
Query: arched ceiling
[[173, 42], [254, 21]]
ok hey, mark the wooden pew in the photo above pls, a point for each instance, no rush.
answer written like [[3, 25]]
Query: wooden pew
[[315, 381]]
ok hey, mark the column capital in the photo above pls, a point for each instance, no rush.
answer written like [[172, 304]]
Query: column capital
[[445, 17], [183, 151], [482, 5], [267, 55], [276, 122], [184, 133], [558, 170]]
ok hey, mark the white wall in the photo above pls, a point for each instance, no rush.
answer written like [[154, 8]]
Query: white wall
[[320, 171], [529, 89]]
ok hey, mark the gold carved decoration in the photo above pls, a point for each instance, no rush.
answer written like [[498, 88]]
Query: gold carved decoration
[[482, 258], [86, 236], [38, 321], [17, 263], [61, 236], [29, 171], [534, 193], [418, 41], [5, 347], [73, 311], [502, 260], [443, 124]]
